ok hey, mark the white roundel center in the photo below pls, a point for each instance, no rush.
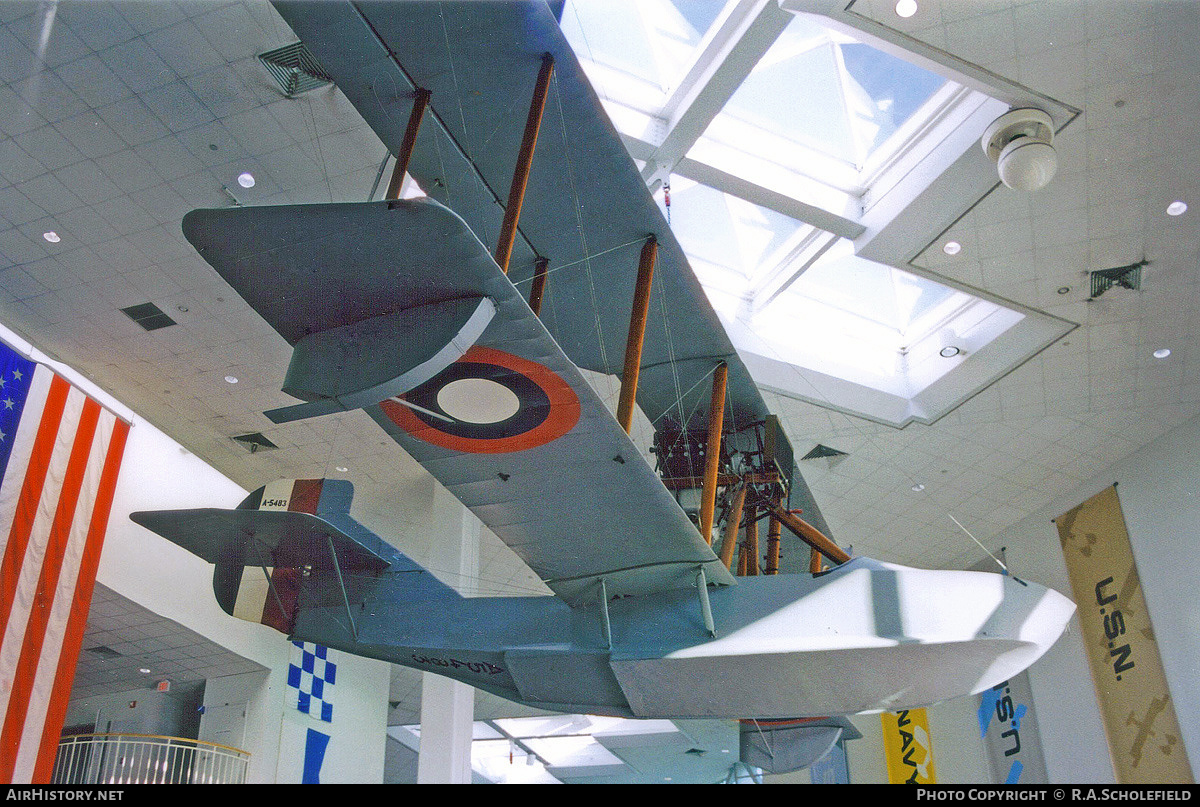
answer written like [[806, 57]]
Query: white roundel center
[[478, 400]]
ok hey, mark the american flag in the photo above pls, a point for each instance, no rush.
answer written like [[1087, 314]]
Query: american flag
[[60, 452]]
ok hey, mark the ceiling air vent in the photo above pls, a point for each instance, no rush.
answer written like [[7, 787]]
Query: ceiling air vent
[[1126, 277], [254, 442], [820, 451], [104, 651], [149, 316], [294, 69]]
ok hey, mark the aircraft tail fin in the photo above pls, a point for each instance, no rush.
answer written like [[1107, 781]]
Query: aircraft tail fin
[[289, 545]]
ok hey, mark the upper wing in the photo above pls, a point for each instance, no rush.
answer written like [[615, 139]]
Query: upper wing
[[511, 428], [586, 211]]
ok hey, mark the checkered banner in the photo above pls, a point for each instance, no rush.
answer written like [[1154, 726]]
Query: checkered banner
[[312, 675]]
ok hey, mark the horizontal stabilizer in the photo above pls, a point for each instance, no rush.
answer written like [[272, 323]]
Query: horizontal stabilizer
[[299, 541], [262, 538], [361, 364]]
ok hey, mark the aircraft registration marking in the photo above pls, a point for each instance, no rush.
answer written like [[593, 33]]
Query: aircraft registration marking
[[480, 667]]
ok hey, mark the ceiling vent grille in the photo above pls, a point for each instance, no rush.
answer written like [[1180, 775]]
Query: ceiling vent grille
[[820, 451], [1126, 277], [255, 442], [103, 651], [294, 69], [149, 316]]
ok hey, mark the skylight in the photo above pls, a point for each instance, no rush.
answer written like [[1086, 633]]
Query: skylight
[[638, 50], [787, 143], [822, 105]]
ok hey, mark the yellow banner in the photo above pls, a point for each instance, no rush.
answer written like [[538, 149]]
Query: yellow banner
[[1139, 718], [907, 747]]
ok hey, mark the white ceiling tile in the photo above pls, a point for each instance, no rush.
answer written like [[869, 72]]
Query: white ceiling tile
[[90, 135], [92, 81], [183, 48], [88, 182], [18, 116], [176, 106], [82, 225], [15, 165], [137, 65], [50, 96], [47, 145]]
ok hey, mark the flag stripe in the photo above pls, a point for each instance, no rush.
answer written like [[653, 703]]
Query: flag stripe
[[60, 455], [31, 491], [81, 602], [40, 596], [34, 511], [72, 531]]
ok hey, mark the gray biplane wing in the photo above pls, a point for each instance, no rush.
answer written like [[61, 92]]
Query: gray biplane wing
[[509, 426], [586, 210]]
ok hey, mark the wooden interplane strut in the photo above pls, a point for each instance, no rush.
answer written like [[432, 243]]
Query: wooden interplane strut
[[637, 334], [420, 102], [774, 533], [516, 192], [733, 521], [809, 534], [537, 291], [749, 555], [716, 422]]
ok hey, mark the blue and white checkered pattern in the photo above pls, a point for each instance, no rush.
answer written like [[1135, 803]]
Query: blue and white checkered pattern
[[312, 675]]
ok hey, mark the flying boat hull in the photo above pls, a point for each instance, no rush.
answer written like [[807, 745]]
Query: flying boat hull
[[864, 637]]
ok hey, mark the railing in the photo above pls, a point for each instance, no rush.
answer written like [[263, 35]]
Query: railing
[[129, 759]]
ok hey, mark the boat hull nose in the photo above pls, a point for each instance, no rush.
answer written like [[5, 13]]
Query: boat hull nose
[[1033, 614], [873, 638]]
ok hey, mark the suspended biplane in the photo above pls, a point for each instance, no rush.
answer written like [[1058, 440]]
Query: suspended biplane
[[399, 307]]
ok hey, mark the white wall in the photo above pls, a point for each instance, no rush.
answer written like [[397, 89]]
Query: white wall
[[156, 574], [1159, 490]]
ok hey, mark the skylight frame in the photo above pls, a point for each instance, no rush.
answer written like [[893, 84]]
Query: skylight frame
[[886, 201]]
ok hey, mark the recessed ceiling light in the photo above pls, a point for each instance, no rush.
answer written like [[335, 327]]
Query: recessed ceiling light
[[341, 469], [232, 379], [246, 179], [144, 671], [1063, 289], [906, 8], [949, 352], [952, 248], [1176, 208], [917, 488], [51, 236], [1162, 353]]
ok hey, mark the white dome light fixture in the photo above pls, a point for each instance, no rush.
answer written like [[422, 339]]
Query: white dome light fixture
[[906, 8], [1021, 143]]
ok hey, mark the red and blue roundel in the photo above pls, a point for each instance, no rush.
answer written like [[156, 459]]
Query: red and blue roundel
[[488, 402]]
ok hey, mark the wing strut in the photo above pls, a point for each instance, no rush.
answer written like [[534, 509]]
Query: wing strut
[[337, 567], [716, 418], [516, 193], [537, 291], [808, 533], [420, 101], [732, 523], [748, 557], [637, 333]]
